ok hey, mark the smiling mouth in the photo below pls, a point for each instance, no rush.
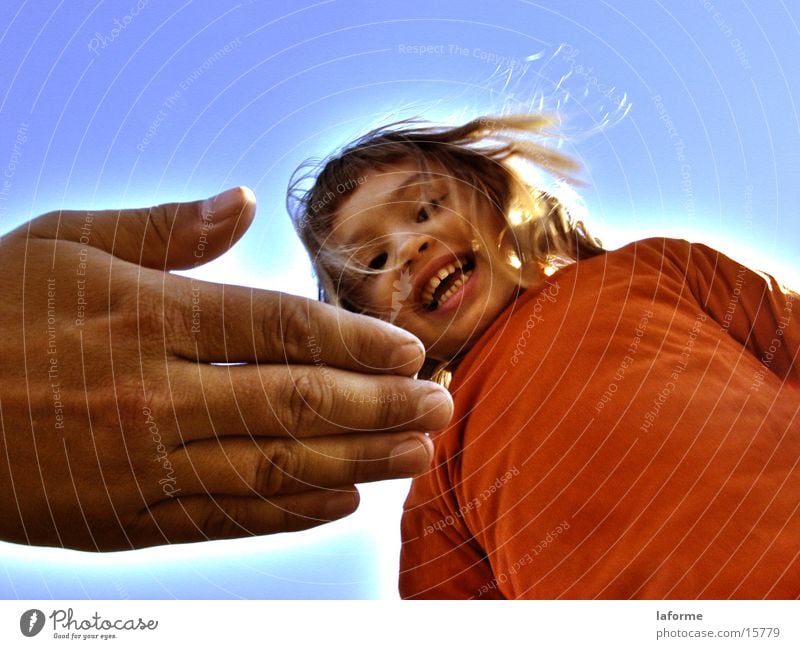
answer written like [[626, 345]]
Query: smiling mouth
[[446, 282]]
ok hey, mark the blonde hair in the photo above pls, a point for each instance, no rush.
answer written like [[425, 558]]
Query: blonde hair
[[479, 153]]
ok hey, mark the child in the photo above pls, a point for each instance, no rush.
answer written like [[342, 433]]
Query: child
[[626, 422]]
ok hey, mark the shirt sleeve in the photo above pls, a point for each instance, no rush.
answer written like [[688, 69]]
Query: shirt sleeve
[[752, 307], [439, 559]]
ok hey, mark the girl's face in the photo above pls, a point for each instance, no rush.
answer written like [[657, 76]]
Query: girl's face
[[432, 242]]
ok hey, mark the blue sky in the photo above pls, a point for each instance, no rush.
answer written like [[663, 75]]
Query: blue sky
[[684, 115]]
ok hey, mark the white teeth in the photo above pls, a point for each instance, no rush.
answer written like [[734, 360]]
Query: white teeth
[[439, 276], [450, 292], [446, 272]]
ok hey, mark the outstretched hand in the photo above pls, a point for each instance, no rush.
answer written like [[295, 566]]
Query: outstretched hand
[[141, 407]]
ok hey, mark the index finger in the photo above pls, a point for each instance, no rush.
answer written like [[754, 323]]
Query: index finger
[[232, 324]]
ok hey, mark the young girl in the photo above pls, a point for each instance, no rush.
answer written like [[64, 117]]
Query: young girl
[[626, 422]]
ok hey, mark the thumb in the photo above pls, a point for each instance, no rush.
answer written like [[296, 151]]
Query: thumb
[[171, 236]]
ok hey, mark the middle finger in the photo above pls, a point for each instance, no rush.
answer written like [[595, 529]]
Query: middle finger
[[300, 401]]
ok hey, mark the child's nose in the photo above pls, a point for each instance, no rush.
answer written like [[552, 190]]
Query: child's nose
[[413, 246]]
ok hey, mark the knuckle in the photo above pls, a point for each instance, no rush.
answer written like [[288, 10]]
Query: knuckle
[[295, 324], [275, 469], [307, 401]]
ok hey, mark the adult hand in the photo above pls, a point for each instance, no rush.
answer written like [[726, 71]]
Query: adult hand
[[120, 431]]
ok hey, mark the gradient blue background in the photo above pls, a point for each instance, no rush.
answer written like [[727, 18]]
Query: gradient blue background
[[300, 79]]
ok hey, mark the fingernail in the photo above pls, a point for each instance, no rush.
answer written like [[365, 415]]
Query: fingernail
[[435, 409], [407, 358], [410, 457], [228, 203], [341, 504]]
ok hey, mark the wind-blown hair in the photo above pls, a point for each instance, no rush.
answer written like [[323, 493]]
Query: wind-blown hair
[[479, 153]]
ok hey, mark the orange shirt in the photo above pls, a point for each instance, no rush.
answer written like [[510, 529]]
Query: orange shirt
[[630, 430]]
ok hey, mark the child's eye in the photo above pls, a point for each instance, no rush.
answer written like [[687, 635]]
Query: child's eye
[[430, 206], [379, 262]]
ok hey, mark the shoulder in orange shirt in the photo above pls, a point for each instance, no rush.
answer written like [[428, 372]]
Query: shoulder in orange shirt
[[630, 430]]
